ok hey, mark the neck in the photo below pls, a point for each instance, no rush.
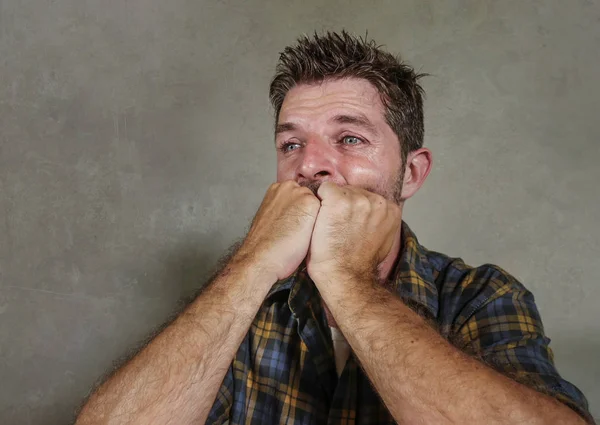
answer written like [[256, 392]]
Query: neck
[[386, 266]]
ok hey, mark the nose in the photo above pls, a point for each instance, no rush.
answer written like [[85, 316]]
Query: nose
[[317, 162]]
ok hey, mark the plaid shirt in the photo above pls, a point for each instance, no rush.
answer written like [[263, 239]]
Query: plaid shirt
[[284, 370]]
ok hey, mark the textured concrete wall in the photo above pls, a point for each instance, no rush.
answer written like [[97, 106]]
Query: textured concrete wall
[[135, 145]]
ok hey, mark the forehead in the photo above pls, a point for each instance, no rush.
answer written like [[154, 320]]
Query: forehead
[[323, 99]]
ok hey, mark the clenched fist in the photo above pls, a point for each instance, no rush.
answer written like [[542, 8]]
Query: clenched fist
[[280, 233], [354, 231]]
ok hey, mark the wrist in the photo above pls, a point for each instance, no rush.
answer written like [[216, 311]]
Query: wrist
[[261, 273], [345, 293], [341, 273]]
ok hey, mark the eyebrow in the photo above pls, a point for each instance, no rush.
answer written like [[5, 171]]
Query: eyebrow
[[286, 126], [359, 120]]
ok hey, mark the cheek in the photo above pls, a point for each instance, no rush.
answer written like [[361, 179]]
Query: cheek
[[364, 176], [359, 173], [285, 170], [375, 177]]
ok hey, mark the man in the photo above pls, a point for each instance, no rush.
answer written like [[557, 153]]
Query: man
[[330, 312]]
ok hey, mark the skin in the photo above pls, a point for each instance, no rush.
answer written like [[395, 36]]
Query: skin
[[339, 207], [419, 375], [314, 145], [175, 378]]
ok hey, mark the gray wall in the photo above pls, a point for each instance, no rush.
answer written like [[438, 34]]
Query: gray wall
[[135, 146]]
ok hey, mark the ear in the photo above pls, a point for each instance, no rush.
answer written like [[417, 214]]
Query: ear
[[418, 166]]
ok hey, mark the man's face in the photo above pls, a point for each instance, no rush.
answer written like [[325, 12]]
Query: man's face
[[336, 131]]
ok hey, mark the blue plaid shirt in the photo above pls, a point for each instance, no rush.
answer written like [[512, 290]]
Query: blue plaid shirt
[[284, 370]]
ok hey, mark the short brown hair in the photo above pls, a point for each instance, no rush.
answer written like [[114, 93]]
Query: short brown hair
[[341, 55]]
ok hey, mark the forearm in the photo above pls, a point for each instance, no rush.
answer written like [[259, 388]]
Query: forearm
[[175, 379], [420, 376]]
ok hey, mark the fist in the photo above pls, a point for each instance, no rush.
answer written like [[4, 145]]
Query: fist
[[280, 233], [354, 231]]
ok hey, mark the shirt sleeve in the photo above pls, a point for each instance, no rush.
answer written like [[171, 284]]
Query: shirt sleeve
[[219, 413], [502, 327]]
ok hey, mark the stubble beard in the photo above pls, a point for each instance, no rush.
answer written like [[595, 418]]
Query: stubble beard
[[392, 193]]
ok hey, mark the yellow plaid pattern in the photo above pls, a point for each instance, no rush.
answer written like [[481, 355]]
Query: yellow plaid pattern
[[284, 371]]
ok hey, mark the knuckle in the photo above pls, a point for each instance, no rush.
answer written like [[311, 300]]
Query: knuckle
[[309, 199], [289, 184], [304, 190], [363, 203]]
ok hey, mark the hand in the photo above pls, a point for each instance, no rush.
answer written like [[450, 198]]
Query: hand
[[280, 233], [354, 231]]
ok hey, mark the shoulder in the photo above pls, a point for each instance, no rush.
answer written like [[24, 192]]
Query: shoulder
[[463, 290], [453, 276]]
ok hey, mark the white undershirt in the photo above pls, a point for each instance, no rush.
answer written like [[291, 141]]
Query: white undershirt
[[341, 349]]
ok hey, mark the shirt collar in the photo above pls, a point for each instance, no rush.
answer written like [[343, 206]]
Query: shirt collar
[[301, 288], [411, 278]]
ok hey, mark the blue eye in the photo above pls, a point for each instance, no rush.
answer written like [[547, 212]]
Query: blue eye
[[285, 146], [351, 140]]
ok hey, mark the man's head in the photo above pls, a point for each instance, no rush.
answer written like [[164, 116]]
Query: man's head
[[351, 113]]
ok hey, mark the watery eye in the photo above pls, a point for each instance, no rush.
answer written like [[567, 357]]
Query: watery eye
[[287, 147], [351, 140]]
